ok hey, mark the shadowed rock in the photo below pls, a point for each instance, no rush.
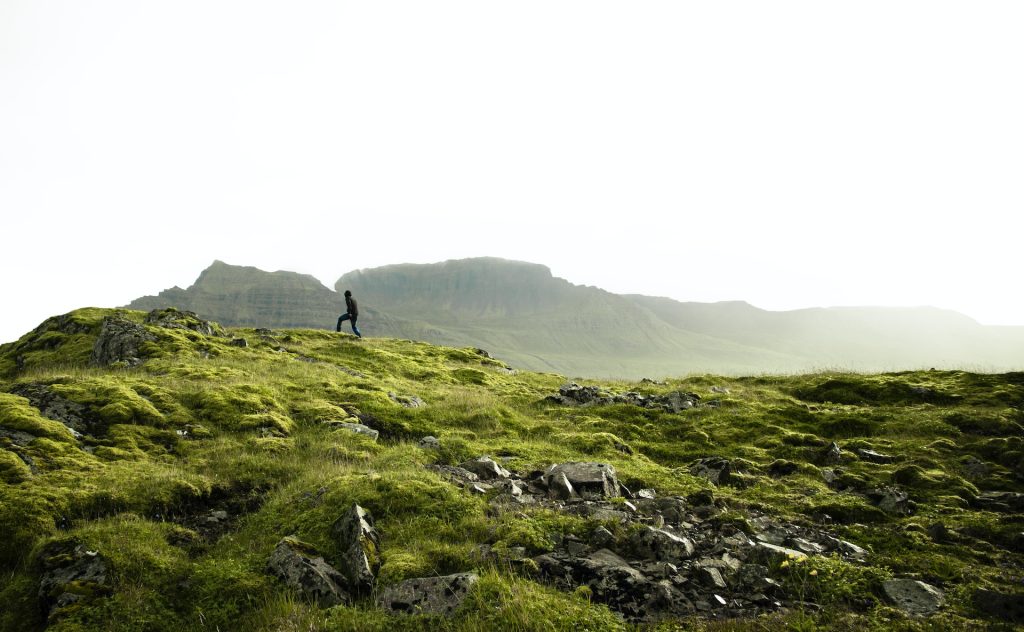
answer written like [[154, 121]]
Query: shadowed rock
[[1009, 607], [71, 574], [661, 545], [428, 595], [299, 566], [119, 342], [359, 543], [714, 468]]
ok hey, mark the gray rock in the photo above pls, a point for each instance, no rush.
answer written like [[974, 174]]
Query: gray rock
[[359, 429], [589, 480], [407, 401], [1009, 607], [974, 468], [711, 578], [58, 408], [913, 596], [171, 318], [430, 442], [602, 538], [774, 554], [428, 595], [559, 487], [831, 455], [1005, 502], [457, 475], [71, 574], [714, 468], [892, 500], [119, 342], [874, 457], [299, 566], [485, 468], [359, 543], [661, 545], [239, 342]]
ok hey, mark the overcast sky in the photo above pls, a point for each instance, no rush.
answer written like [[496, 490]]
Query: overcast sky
[[790, 154]]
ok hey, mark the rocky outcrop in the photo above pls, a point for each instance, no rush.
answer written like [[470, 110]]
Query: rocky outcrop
[[572, 394], [302, 569], [119, 343], [70, 574], [359, 543], [428, 595], [171, 318], [53, 406]]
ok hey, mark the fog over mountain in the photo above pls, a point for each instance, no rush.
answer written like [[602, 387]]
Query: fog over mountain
[[521, 313]]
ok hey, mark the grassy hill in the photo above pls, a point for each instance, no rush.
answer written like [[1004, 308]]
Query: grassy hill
[[151, 464]]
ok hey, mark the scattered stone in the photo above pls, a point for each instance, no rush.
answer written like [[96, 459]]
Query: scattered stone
[[430, 442], [560, 487], [407, 401], [661, 545], [645, 493], [602, 538], [71, 574], [589, 480], [874, 457], [119, 342], [831, 455], [299, 566], [359, 543], [774, 554], [359, 429], [1009, 607], [892, 500], [457, 475], [572, 394], [716, 469], [720, 389], [428, 595], [239, 342], [485, 468], [712, 578], [913, 596]]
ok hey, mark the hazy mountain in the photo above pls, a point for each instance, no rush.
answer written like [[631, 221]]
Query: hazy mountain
[[521, 313]]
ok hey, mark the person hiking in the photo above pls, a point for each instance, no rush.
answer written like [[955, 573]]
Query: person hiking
[[351, 315]]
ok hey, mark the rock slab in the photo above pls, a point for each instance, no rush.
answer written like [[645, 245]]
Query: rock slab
[[299, 566], [428, 595], [913, 596]]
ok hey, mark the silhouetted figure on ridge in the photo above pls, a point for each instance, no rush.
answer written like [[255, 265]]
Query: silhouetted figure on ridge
[[351, 315]]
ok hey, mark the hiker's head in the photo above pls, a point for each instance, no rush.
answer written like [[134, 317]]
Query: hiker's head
[[348, 292]]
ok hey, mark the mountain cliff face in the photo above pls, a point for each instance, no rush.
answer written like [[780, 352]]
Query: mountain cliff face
[[522, 314], [247, 296]]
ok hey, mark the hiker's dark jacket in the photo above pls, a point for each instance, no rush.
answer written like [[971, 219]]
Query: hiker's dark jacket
[[350, 305]]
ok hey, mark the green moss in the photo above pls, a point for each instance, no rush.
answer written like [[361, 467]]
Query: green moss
[[16, 413], [12, 469]]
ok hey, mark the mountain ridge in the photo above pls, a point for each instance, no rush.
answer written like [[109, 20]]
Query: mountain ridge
[[524, 314]]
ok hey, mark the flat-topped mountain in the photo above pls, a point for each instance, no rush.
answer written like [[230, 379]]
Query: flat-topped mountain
[[522, 313]]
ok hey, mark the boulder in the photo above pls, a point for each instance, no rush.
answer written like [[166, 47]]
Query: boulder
[[428, 595], [714, 468], [913, 596], [239, 342], [119, 342], [661, 545], [589, 480], [486, 468], [560, 488], [359, 543], [781, 467], [299, 566], [71, 574]]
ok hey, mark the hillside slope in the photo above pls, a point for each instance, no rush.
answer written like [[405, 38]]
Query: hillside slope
[[158, 472]]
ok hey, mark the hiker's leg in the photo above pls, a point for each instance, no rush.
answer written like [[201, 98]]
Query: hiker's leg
[[354, 328], [341, 318]]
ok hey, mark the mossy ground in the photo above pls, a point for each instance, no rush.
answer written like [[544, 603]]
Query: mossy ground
[[203, 423]]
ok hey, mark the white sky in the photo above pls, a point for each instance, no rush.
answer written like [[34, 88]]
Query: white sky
[[790, 154]]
